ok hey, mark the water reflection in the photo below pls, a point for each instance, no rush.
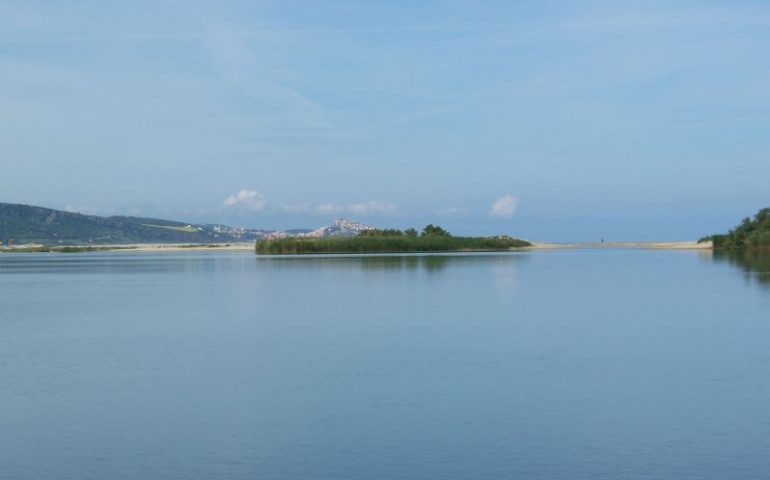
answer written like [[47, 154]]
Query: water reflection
[[121, 262], [755, 266], [191, 262], [429, 263]]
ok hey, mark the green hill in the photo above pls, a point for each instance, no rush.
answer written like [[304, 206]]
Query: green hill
[[750, 235], [24, 224]]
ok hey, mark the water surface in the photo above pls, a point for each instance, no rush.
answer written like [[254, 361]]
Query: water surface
[[545, 365]]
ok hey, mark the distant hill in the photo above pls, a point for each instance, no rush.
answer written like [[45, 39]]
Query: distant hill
[[341, 228], [23, 224], [751, 234]]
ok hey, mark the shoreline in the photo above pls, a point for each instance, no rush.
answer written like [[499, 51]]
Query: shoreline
[[249, 246], [177, 247], [132, 247], [675, 245]]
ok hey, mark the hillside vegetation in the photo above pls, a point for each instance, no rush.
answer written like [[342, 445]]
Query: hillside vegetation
[[432, 239], [24, 224], [750, 235]]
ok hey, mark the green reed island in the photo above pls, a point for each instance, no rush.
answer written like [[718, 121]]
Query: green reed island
[[432, 239]]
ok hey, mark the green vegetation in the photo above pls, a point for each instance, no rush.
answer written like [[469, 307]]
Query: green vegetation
[[432, 239], [25, 224], [750, 235]]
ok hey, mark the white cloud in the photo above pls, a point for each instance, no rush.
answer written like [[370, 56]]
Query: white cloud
[[371, 207], [84, 210], [252, 200], [504, 207], [361, 208], [248, 200]]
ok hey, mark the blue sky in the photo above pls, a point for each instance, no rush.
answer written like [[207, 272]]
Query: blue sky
[[548, 120]]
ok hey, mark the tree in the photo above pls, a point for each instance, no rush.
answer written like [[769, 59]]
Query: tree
[[431, 230], [376, 232], [750, 234], [410, 232]]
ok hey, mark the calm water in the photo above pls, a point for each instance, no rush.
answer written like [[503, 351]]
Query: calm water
[[585, 364]]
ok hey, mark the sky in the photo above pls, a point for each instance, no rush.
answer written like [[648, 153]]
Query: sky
[[547, 120]]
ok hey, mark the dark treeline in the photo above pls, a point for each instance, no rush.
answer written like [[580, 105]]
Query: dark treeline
[[751, 235], [430, 230], [431, 239]]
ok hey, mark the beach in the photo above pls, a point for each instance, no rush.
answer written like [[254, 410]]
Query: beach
[[668, 245]]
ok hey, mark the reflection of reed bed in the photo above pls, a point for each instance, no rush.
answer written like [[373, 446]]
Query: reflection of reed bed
[[396, 262], [502, 262], [401, 244], [756, 264]]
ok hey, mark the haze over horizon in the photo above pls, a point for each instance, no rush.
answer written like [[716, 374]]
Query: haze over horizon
[[548, 120]]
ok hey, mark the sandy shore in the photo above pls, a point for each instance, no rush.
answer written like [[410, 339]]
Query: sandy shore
[[683, 245], [690, 245], [139, 247], [175, 247]]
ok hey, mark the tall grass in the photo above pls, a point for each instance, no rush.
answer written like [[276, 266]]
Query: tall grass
[[395, 244]]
